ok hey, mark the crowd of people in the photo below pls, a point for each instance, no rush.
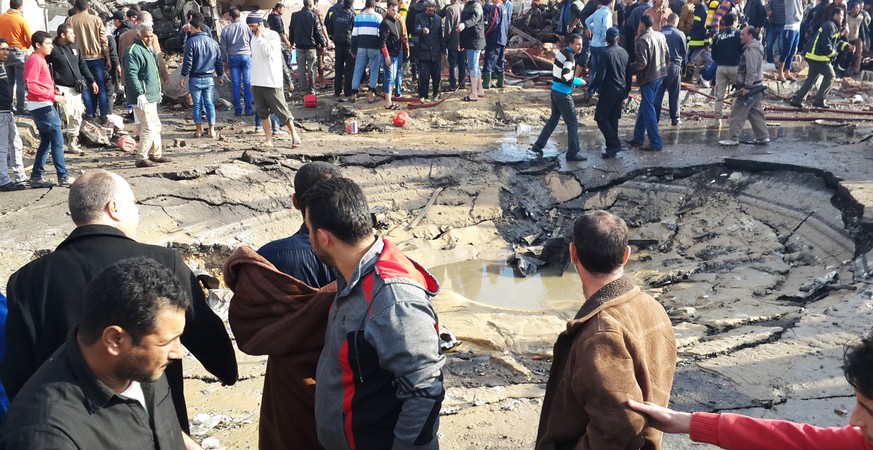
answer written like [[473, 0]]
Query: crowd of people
[[94, 331]]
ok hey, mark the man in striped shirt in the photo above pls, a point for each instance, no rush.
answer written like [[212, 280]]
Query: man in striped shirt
[[366, 49], [563, 81]]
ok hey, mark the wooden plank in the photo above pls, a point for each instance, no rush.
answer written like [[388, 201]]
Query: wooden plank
[[526, 36], [425, 210]]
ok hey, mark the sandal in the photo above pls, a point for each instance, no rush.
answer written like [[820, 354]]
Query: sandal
[[468, 99], [297, 143], [197, 135], [394, 107]]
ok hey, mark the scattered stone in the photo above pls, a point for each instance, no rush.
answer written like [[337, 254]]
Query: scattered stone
[[211, 444]]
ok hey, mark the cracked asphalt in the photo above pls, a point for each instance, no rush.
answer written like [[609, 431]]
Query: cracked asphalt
[[736, 240]]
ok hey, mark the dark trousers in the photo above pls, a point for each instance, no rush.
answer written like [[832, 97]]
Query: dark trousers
[[562, 107], [607, 114], [343, 70], [457, 59], [494, 57], [671, 85], [647, 122], [51, 140], [816, 69], [428, 71], [593, 63], [98, 70]]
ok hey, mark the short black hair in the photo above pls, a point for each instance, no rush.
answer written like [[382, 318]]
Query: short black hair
[[339, 206], [3, 41], [752, 31], [64, 29], [278, 5], [606, 2], [647, 20], [600, 238], [369, 4], [81, 5], [858, 365], [38, 38], [838, 9], [572, 37], [730, 19], [133, 12], [390, 3], [348, 4], [198, 24], [233, 13], [15, 4], [313, 173], [129, 294]]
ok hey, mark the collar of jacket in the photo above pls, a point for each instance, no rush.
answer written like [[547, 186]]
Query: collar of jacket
[[96, 393], [614, 293], [86, 231]]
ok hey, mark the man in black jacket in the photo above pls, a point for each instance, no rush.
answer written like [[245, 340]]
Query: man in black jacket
[[306, 34], [820, 50], [612, 85], [339, 27], [472, 40], [726, 52], [45, 296], [389, 36], [71, 74], [429, 30]]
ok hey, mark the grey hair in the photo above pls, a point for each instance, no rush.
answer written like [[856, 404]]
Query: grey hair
[[145, 17], [90, 194]]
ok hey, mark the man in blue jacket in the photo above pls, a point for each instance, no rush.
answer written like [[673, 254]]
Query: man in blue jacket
[[563, 82], [497, 23], [202, 62]]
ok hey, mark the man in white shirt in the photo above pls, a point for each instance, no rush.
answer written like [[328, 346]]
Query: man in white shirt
[[267, 91]]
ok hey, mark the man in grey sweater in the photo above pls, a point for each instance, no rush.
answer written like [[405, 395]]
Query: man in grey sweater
[[747, 105]]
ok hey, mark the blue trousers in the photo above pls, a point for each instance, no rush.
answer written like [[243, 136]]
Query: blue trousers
[[494, 59], [390, 73], [788, 41], [671, 85], [241, 79], [647, 120], [51, 138], [459, 60], [97, 68], [562, 107], [773, 33], [367, 57], [203, 96], [274, 122]]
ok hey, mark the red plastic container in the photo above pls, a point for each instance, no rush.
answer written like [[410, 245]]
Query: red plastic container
[[310, 101]]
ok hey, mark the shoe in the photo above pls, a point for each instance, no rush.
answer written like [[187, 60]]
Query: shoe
[[823, 105], [675, 122], [795, 103], [650, 148], [607, 154], [258, 130], [40, 183], [279, 132], [66, 182], [633, 143], [764, 141], [436, 96], [103, 121], [576, 157], [237, 113], [160, 159], [145, 163], [729, 142], [9, 187], [705, 84], [422, 99], [536, 150]]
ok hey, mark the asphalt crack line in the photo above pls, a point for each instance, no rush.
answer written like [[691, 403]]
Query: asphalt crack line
[[207, 202]]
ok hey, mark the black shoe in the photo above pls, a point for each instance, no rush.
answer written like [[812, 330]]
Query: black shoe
[[650, 148], [823, 105], [675, 122], [9, 187], [40, 183], [436, 96], [609, 153], [633, 143], [66, 181], [536, 150], [576, 157], [795, 103], [145, 163]]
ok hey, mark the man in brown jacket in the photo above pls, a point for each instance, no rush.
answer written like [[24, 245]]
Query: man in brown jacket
[[92, 39], [650, 66], [619, 347]]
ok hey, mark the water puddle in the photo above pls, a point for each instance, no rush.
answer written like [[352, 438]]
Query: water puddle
[[501, 285]]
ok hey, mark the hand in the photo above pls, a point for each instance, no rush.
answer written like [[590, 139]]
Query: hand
[[186, 27], [588, 33], [181, 82], [190, 444], [108, 65], [851, 48], [353, 56], [118, 71], [221, 81], [425, 31], [745, 92], [226, 68], [94, 88], [664, 419], [460, 28], [60, 99], [388, 61], [142, 101]]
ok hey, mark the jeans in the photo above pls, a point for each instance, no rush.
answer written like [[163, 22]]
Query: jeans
[[11, 165], [51, 138], [596, 52], [203, 97], [607, 114], [274, 122], [473, 62], [817, 68], [773, 33], [562, 107], [457, 59], [788, 41], [397, 84], [390, 73], [97, 68], [647, 120], [15, 69], [366, 57], [671, 86], [494, 57], [306, 59], [241, 79], [343, 70], [428, 71]]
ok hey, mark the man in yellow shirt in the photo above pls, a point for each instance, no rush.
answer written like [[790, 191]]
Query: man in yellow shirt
[[16, 31]]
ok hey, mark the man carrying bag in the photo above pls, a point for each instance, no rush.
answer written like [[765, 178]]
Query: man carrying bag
[[72, 78]]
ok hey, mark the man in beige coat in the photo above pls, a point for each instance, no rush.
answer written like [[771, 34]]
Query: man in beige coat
[[619, 347]]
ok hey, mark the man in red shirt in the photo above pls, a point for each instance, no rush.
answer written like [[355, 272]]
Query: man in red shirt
[[41, 98], [734, 431]]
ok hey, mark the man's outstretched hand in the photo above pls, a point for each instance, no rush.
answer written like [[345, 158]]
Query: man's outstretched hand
[[664, 419]]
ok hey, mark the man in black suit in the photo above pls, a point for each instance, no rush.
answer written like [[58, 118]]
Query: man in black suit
[[45, 296]]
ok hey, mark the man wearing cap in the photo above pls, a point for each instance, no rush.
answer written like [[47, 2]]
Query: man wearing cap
[[612, 83], [267, 91], [123, 22]]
